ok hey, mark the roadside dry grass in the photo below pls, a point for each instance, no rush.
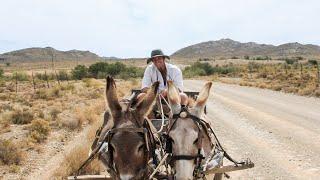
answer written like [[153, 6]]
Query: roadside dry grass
[[301, 79], [29, 118]]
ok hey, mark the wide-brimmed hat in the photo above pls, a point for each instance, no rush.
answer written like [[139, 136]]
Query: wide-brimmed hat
[[156, 53]]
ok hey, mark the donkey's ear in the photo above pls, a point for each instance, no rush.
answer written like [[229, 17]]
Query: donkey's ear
[[202, 98], [145, 106], [112, 98], [174, 98]]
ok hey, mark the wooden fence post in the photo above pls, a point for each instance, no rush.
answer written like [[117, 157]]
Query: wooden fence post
[[33, 82], [16, 82], [57, 77], [318, 72], [45, 74], [301, 70]]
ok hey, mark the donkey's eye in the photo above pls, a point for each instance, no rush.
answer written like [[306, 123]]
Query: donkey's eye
[[111, 147], [195, 141], [141, 147], [171, 140]]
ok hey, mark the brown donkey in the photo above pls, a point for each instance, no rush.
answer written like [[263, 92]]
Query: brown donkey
[[129, 141]]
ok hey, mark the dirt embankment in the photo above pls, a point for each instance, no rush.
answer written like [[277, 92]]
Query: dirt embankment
[[279, 132]]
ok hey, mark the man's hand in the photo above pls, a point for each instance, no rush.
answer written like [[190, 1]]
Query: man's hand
[[144, 90], [164, 93]]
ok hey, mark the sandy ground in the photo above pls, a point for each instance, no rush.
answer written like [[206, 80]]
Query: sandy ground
[[279, 132]]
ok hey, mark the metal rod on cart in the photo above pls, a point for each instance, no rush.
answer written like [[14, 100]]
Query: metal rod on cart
[[159, 165]]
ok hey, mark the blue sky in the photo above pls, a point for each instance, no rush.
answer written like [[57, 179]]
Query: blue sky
[[132, 28]]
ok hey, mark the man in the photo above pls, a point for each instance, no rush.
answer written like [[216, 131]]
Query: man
[[161, 71]]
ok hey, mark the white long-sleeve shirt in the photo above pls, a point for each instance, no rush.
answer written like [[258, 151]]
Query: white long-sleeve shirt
[[152, 74]]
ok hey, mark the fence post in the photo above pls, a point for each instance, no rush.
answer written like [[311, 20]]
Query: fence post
[[34, 84], [301, 70], [318, 72], [45, 74], [16, 82], [57, 77]]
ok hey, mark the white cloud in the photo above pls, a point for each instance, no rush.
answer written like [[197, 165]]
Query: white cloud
[[132, 28]]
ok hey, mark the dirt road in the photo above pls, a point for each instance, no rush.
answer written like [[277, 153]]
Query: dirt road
[[279, 132]]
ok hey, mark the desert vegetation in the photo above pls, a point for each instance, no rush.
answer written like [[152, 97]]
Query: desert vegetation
[[41, 112], [290, 75]]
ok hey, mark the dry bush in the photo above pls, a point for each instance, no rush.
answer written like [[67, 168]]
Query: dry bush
[[90, 82], [54, 92], [39, 130], [95, 94], [74, 160], [307, 91], [67, 87], [261, 85], [90, 113], [289, 89], [317, 92], [276, 87], [41, 94], [54, 113], [72, 123], [10, 154], [21, 116]]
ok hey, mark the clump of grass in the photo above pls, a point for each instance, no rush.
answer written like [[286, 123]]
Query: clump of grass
[[23, 116], [54, 113], [72, 123], [90, 82], [10, 154], [67, 87], [74, 160], [55, 92], [39, 130]]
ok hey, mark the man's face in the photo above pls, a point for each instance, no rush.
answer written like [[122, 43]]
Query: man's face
[[159, 62]]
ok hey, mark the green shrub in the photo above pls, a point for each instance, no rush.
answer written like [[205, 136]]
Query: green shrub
[[62, 75], [45, 76], [39, 130], [101, 69], [291, 61], [131, 72], [96, 68], [20, 76], [313, 62], [10, 154], [1, 73], [79, 72]]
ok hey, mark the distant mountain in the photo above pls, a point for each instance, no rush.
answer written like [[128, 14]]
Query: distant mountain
[[230, 48], [44, 54]]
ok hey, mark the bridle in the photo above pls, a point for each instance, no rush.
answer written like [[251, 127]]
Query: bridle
[[184, 113]]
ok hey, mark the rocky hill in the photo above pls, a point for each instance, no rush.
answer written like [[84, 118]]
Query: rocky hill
[[230, 48], [45, 54]]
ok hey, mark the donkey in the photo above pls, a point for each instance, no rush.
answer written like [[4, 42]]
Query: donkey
[[189, 141], [129, 140]]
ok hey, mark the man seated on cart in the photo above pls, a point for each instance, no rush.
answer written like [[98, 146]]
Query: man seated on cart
[[162, 71]]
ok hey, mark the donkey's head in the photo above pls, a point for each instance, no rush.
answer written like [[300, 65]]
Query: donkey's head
[[185, 136], [128, 155]]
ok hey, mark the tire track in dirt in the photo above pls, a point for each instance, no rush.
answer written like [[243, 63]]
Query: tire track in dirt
[[280, 148]]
